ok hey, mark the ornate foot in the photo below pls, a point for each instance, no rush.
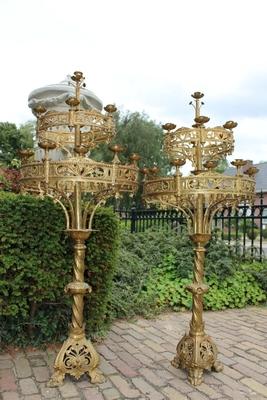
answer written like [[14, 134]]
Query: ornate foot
[[56, 379], [175, 362], [76, 357], [217, 366], [195, 376], [196, 353], [96, 376]]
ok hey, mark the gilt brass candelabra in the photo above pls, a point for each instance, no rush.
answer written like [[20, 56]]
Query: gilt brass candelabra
[[199, 196], [80, 185]]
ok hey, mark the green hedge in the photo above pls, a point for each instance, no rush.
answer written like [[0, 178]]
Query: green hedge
[[36, 264]]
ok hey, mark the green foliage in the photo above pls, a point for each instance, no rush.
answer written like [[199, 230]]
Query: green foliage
[[138, 254], [234, 291], [251, 229], [218, 261], [101, 260], [222, 166], [137, 133], [10, 180], [264, 233], [154, 267], [13, 139], [36, 263], [259, 271]]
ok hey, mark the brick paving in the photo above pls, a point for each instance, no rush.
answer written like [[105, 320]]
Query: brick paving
[[135, 358]]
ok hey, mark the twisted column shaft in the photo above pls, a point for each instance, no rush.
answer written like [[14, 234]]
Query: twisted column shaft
[[197, 325], [78, 276]]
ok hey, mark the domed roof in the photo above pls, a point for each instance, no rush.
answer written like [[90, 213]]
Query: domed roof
[[53, 97]]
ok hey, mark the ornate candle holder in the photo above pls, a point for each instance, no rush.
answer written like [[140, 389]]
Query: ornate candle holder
[[80, 185], [199, 196]]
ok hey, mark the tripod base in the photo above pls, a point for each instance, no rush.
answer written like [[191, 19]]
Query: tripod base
[[76, 357], [196, 353]]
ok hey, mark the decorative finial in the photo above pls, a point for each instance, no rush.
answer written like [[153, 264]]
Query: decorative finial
[[169, 126], [230, 125], [110, 108], [197, 96]]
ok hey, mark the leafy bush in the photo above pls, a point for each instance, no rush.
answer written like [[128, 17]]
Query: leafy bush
[[9, 179], [259, 271], [235, 291], [36, 264], [153, 268], [167, 290], [264, 233]]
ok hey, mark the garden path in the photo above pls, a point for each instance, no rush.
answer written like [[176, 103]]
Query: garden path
[[135, 358]]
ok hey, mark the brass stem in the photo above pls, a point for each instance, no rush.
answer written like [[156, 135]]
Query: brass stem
[[77, 136], [78, 276], [197, 108], [46, 168], [77, 206], [199, 214], [197, 324]]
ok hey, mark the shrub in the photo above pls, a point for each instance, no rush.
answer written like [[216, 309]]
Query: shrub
[[9, 180], [168, 291], [154, 266], [36, 264]]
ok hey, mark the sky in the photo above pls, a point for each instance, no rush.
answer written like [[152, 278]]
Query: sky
[[146, 56]]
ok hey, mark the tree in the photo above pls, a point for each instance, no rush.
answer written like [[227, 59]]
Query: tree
[[222, 166], [137, 133], [12, 139]]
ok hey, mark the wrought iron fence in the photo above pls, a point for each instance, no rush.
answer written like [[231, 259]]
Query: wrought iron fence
[[244, 229]]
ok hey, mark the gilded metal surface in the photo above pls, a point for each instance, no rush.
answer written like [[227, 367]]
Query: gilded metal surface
[[79, 185], [199, 196]]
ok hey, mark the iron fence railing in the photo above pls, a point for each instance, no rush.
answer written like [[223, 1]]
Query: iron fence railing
[[244, 229]]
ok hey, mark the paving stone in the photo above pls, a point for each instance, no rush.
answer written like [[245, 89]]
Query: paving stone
[[123, 368], [5, 356], [255, 386], [111, 394], [68, 390], [28, 386], [10, 396], [154, 346], [129, 359], [37, 362], [105, 352], [124, 388], [7, 380], [208, 391], [6, 363], [41, 374], [243, 369], [106, 367], [136, 362], [92, 394], [152, 377], [173, 394], [47, 392], [23, 368], [181, 386], [149, 391]]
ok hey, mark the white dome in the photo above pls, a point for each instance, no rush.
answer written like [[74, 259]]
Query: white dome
[[53, 97]]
